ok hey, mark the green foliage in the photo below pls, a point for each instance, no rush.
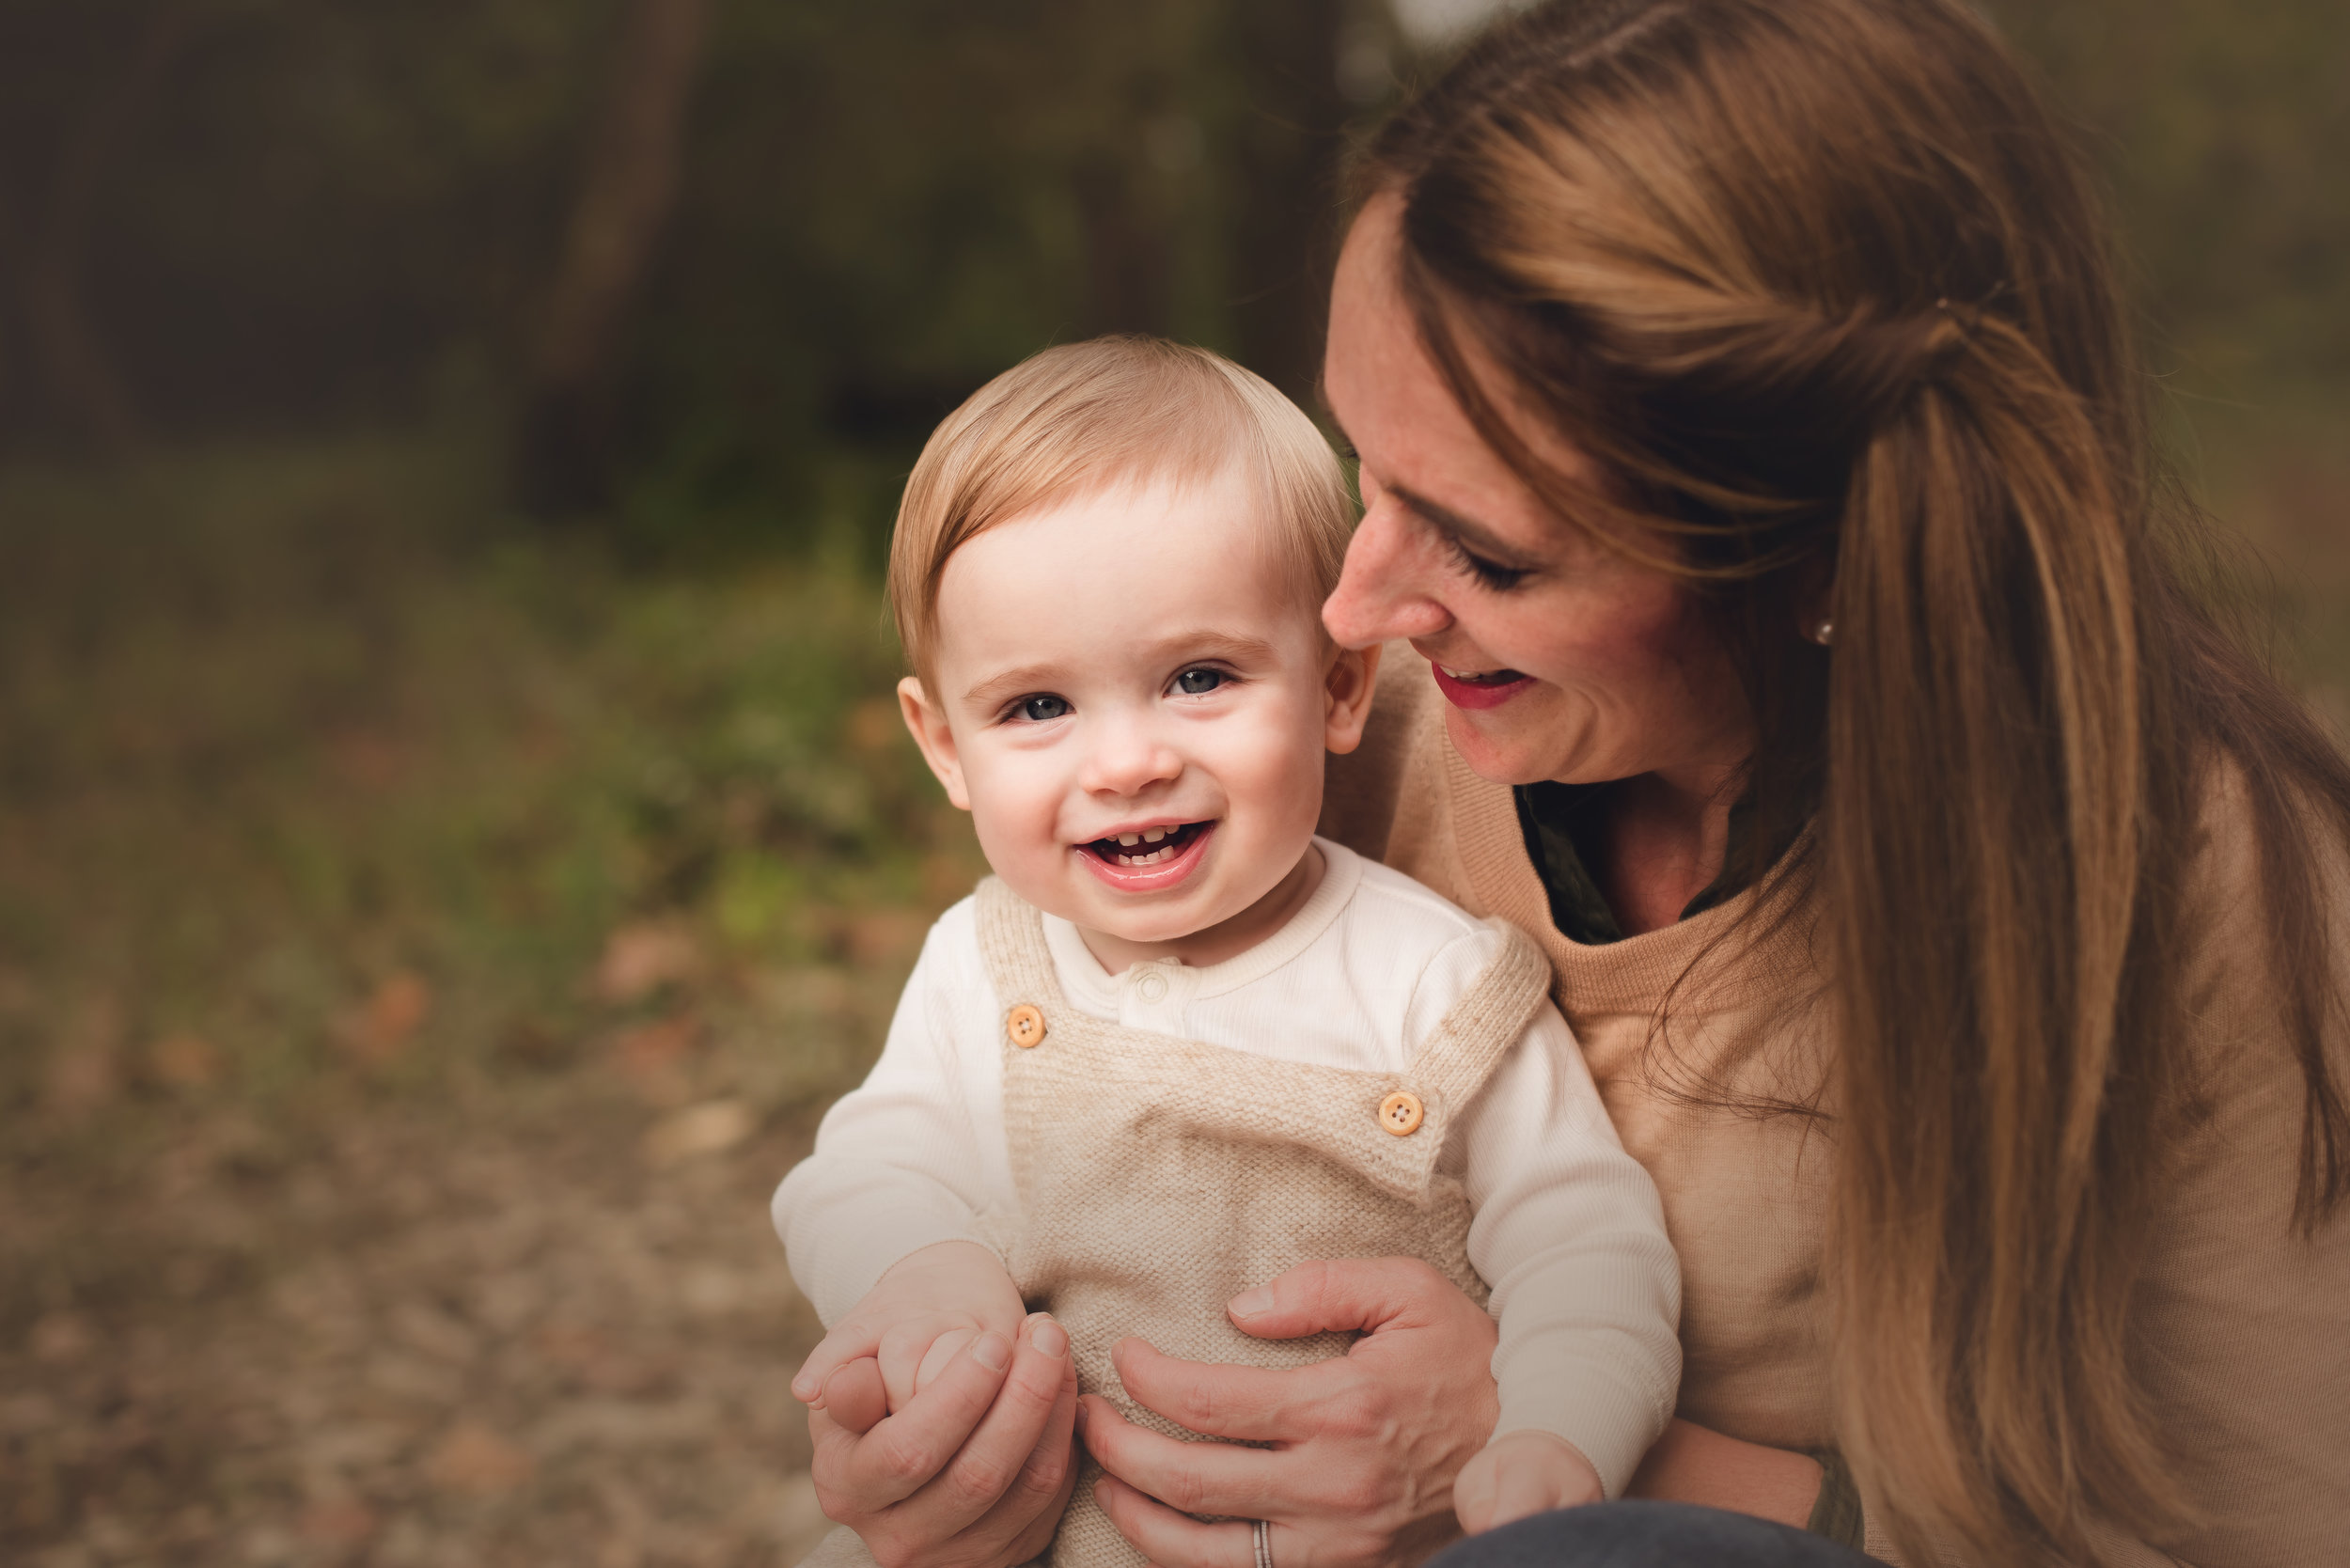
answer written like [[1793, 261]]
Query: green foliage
[[318, 761]]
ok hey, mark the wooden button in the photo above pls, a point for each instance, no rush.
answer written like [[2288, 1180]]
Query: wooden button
[[1400, 1112], [1026, 1026]]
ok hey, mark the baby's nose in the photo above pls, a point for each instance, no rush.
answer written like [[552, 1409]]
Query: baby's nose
[[1127, 758]]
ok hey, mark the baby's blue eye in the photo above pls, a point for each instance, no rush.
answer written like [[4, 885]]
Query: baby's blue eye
[[1193, 682], [1042, 708]]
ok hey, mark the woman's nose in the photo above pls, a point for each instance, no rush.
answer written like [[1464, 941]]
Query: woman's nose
[[1382, 592], [1127, 757]]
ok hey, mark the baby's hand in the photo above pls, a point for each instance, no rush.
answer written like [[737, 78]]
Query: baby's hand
[[1521, 1473], [929, 1308]]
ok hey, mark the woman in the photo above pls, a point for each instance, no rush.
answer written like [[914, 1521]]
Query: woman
[[1952, 919]]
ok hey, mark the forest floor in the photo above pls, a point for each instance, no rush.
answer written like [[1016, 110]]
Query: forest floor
[[423, 946], [424, 943]]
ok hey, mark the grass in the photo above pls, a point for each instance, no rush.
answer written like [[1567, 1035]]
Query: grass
[[318, 767]]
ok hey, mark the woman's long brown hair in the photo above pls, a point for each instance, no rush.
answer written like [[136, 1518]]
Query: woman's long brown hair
[[1826, 292]]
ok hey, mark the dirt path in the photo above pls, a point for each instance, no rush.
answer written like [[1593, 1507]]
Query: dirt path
[[561, 1336]]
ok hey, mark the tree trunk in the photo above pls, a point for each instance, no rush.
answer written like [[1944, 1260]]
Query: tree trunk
[[83, 389], [1285, 234], [566, 463]]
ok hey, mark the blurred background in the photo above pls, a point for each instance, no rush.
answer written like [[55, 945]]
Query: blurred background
[[455, 834]]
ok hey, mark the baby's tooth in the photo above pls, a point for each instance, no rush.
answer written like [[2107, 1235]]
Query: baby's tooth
[[1153, 835], [1130, 837]]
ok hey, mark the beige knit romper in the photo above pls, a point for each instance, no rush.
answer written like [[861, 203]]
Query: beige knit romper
[[1160, 1177]]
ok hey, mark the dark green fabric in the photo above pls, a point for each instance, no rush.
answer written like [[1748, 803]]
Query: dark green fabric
[[1560, 822], [1837, 1512]]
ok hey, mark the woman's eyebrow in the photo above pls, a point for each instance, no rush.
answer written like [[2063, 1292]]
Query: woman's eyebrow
[[1462, 532]]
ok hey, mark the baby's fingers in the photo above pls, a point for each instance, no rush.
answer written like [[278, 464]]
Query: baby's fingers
[[850, 1341], [854, 1397], [943, 1350]]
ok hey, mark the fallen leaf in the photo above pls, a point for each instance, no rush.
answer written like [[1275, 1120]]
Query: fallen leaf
[[337, 1522], [58, 1337], [651, 1058], [376, 1031], [709, 1128], [86, 1071], [640, 959], [473, 1459], [183, 1062]]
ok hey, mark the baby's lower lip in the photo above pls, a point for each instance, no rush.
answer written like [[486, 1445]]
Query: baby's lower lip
[[1488, 690]]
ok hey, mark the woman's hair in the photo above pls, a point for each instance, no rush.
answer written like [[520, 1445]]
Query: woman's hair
[[1088, 417], [1825, 291]]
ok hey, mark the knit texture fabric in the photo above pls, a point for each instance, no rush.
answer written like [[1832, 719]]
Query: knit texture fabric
[[1159, 1177]]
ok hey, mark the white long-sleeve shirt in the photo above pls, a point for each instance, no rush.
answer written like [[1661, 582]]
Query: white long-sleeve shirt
[[1567, 1229]]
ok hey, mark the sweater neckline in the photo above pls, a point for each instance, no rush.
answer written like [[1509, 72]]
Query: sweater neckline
[[1736, 952]]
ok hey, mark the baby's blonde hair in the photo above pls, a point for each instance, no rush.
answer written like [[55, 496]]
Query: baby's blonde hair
[[1085, 416]]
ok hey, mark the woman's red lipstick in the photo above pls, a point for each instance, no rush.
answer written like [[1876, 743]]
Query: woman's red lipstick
[[1486, 691]]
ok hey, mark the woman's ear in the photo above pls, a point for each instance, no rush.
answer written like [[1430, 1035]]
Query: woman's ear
[[1347, 687], [926, 722]]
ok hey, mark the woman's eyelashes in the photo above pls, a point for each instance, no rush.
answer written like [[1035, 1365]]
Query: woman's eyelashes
[[1492, 573]]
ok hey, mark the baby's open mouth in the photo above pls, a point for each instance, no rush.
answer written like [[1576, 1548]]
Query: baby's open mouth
[[1147, 847]]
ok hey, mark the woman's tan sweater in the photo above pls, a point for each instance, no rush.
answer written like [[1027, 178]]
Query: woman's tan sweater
[[2244, 1324]]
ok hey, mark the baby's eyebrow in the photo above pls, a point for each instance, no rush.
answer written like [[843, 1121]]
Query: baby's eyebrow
[[1008, 684]]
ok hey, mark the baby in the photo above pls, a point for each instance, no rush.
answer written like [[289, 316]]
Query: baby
[[1177, 1044]]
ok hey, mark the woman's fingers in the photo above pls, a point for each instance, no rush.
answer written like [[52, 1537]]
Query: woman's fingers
[[1217, 1400], [1032, 1506], [1172, 1539], [1344, 1295], [1191, 1478], [905, 1452], [995, 1462]]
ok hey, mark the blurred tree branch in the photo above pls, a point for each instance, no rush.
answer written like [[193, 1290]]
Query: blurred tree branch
[[623, 204]]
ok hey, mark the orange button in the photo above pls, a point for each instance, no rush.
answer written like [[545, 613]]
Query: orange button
[[1026, 1026], [1400, 1112]]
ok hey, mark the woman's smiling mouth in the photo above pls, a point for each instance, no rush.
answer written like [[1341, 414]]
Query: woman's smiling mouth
[[1486, 688]]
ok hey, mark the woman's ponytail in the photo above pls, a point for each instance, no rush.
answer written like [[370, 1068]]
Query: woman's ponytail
[[1983, 944]]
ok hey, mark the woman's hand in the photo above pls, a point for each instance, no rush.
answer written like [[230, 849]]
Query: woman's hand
[[1365, 1448], [1696, 1464], [973, 1472]]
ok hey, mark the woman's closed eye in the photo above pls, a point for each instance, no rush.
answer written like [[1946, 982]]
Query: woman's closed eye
[[1492, 573]]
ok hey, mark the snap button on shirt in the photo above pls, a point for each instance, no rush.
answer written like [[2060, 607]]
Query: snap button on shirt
[[1153, 995], [1024, 1026], [1400, 1113]]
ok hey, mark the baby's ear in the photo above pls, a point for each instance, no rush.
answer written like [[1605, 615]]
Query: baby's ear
[[1348, 686], [926, 722]]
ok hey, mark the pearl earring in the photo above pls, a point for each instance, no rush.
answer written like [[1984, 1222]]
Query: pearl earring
[[1822, 632]]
